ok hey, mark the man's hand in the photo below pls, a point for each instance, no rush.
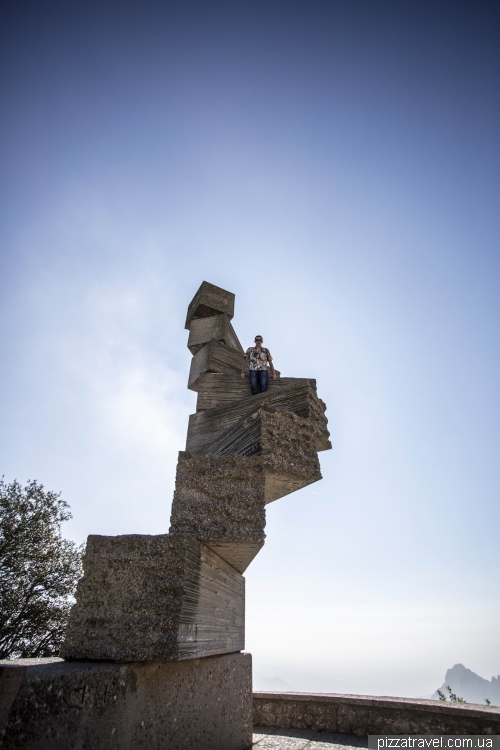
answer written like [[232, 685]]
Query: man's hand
[[242, 374], [274, 376]]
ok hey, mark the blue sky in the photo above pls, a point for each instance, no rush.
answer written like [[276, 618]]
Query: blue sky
[[335, 165]]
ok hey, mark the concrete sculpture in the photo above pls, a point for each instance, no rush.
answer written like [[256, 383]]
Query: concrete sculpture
[[153, 642], [181, 596]]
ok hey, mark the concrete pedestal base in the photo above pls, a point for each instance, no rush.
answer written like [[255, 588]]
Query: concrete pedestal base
[[201, 704]]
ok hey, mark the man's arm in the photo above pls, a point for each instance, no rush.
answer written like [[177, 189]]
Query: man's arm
[[273, 373], [243, 366]]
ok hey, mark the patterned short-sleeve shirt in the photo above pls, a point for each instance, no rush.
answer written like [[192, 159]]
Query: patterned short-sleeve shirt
[[258, 359]]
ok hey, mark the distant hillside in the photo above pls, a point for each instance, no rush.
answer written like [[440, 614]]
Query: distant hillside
[[470, 686]]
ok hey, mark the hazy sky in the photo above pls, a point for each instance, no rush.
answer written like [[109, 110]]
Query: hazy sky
[[336, 166]]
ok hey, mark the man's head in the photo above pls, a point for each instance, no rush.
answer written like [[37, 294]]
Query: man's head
[[258, 340]]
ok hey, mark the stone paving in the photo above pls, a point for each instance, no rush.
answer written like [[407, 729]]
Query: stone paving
[[273, 738]]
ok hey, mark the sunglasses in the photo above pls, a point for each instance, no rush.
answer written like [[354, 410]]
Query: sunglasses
[[259, 339]]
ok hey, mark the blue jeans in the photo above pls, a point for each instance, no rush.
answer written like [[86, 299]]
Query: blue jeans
[[259, 380]]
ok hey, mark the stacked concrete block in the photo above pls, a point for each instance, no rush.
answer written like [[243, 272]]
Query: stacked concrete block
[[215, 356], [218, 389], [210, 300], [242, 451], [221, 501], [209, 425], [221, 496], [216, 327], [181, 596], [155, 598]]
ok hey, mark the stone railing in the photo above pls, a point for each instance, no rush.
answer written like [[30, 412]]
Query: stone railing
[[362, 715]]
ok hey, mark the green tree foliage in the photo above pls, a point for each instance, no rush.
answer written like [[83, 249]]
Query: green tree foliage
[[453, 697], [38, 571]]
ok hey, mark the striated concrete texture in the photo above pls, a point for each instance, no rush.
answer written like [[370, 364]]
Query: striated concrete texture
[[215, 356], [208, 426], [204, 704], [218, 327], [362, 715], [210, 300], [266, 430], [220, 498], [221, 389], [155, 598]]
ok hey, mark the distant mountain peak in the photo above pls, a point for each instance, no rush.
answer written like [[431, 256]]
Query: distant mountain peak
[[471, 686]]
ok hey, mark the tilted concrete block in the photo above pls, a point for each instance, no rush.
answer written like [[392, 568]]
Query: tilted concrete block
[[214, 357], [270, 432], [210, 300], [155, 598], [282, 443], [221, 501], [208, 426], [220, 498], [217, 327], [221, 389]]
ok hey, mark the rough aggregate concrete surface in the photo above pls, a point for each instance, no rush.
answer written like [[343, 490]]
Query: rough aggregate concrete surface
[[288, 445], [129, 582], [220, 498], [154, 598], [208, 426], [223, 497], [203, 704]]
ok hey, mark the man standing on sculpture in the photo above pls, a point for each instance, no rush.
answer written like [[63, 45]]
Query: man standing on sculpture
[[259, 359]]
